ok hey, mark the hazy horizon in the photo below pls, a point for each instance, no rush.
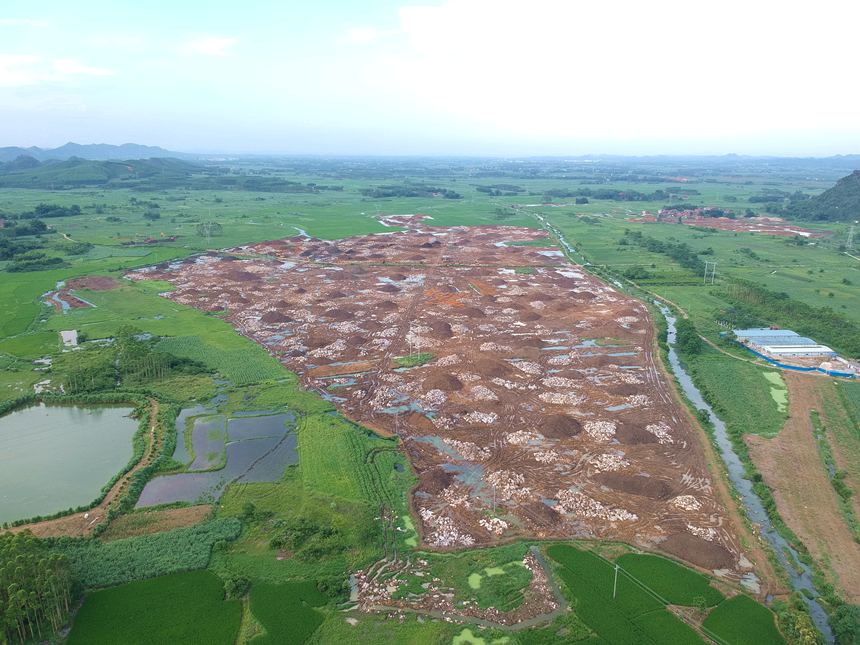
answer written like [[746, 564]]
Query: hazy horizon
[[449, 78]]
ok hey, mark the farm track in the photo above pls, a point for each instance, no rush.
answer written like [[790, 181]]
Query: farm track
[[83, 524], [806, 500]]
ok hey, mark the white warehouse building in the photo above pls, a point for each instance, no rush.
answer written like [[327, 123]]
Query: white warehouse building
[[782, 343]]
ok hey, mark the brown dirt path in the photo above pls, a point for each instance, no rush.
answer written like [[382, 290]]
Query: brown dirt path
[[791, 466], [83, 524]]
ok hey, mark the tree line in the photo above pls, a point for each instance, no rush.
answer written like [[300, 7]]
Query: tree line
[[35, 588]]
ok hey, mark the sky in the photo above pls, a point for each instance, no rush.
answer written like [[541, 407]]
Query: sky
[[451, 77]]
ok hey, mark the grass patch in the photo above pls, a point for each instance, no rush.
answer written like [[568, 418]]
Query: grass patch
[[286, 612], [742, 621], [413, 360], [179, 608]]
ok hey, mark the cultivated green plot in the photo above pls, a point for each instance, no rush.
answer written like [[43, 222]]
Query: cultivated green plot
[[183, 608], [742, 621], [286, 612]]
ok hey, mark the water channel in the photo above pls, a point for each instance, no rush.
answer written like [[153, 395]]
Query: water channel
[[799, 573]]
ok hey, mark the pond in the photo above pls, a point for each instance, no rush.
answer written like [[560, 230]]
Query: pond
[[257, 449], [58, 457]]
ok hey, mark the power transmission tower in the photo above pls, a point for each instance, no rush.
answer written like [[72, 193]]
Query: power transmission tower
[[849, 243], [710, 272]]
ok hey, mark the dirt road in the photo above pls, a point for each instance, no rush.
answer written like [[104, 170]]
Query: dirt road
[[804, 496]]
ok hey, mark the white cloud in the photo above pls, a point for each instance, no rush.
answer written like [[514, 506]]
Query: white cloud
[[69, 67], [17, 70], [210, 45], [22, 22], [555, 69], [367, 35]]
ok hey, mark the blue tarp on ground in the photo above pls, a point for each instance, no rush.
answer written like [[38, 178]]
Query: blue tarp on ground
[[797, 368]]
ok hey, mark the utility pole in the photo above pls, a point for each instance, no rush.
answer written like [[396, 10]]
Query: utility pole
[[615, 584]]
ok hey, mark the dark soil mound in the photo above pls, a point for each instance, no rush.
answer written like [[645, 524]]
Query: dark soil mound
[[530, 316], [649, 487], [634, 433], [623, 389], [339, 315], [442, 381], [336, 294], [242, 276], [275, 317], [356, 341], [585, 295], [435, 480], [540, 514], [386, 305], [559, 426], [315, 342], [441, 329], [492, 368], [472, 312], [397, 277], [707, 555], [389, 288]]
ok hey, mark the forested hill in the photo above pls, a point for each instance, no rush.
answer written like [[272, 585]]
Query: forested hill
[[842, 202], [27, 172]]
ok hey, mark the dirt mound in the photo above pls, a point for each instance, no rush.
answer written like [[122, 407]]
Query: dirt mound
[[530, 316], [559, 426], [584, 295], [623, 389], [275, 317], [441, 381], [441, 329], [93, 283], [397, 277], [637, 485], [389, 288], [339, 315], [707, 555], [472, 312], [300, 290], [435, 480], [315, 342], [386, 305], [356, 341], [420, 423], [492, 367], [336, 294], [634, 433], [242, 276], [540, 514]]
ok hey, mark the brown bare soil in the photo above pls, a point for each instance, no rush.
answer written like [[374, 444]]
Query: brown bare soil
[[83, 524], [804, 497], [545, 435], [93, 283], [144, 523]]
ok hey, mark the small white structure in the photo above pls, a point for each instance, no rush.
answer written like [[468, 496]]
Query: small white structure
[[810, 351], [69, 338]]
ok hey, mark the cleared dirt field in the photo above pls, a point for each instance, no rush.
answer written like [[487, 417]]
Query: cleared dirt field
[[157, 521], [763, 225], [804, 496], [525, 390]]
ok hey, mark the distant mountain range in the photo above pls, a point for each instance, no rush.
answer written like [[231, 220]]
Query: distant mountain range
[[91, 151]]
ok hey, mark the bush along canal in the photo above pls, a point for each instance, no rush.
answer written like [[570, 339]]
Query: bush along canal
[[798, 572]]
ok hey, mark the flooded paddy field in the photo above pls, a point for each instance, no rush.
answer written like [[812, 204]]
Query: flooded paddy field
[[526, 391], [226, 450], [57, 457]]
